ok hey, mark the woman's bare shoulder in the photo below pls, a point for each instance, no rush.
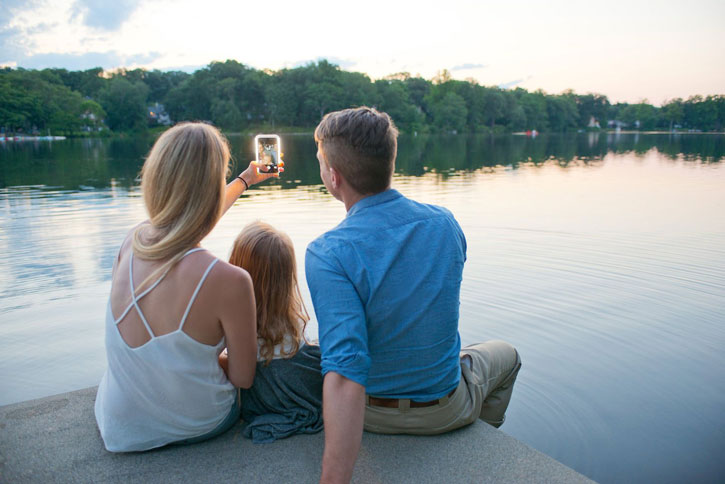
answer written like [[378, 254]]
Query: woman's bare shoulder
[[225, 275]]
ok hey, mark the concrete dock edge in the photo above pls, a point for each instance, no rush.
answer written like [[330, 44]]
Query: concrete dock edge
[[55, 439]]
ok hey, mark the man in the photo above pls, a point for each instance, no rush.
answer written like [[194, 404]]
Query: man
[[385, 285]]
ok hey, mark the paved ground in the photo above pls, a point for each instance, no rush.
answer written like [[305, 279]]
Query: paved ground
[[55, 439]]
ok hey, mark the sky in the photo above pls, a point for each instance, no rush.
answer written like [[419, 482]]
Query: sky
[[628, 50]]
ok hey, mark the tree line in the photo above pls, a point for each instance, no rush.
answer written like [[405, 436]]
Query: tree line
[[237, 97]]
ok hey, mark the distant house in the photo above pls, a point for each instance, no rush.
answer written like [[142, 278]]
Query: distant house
[[91, 122], [593, 123], [617, 124], [158, 115]]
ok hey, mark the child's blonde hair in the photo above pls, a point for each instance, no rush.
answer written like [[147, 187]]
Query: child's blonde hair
[[268, 255]]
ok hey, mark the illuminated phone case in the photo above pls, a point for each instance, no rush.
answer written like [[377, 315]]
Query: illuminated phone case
[[267, 149]]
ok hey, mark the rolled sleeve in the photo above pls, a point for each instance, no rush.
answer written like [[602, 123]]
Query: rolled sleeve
[[340, 316]]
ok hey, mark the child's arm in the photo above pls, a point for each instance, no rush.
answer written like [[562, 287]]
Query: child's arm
[[224, 361]]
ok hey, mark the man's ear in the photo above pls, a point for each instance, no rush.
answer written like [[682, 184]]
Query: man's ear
[[335, 178]]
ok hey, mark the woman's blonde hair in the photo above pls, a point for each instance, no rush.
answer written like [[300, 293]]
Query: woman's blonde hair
[[269, 257], [183, 183]]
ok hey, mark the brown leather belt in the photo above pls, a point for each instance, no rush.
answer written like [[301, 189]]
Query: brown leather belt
[[395, 402]]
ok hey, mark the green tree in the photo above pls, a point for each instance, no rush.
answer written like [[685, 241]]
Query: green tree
[[592, 106], [125, 104], [160, 83], [321, 91], [282, 101], [192, 98], [395, 100], [640, 116], [226, 114], [418, 90], [38, 100], [673, 112], [562, 112], [514, 113], [17, 104], [358, 89], [534, 106], [450, 113], [235, 96], [320, 98], [493, 106]]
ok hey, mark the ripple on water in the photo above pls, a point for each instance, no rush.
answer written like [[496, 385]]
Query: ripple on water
[[608, 277], [579, 306]]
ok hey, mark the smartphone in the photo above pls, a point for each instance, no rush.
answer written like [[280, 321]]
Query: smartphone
[[268, 148]]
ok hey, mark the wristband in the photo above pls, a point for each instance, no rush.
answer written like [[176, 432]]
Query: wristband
[[246, 185]]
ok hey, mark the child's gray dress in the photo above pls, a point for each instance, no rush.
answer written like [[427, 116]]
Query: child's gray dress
[[285, 399]]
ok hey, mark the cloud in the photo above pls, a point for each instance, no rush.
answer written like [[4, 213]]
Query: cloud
[[104, 14], [506, 85], [10, 8], [468, 67], [13, 42], [42, 27], [87, 60]]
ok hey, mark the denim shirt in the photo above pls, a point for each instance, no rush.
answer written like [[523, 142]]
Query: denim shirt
[[385, 284]]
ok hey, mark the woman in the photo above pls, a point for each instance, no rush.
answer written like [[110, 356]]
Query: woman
[[174, 307]]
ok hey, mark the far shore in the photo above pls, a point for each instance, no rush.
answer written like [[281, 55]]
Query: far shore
[[20, 137]]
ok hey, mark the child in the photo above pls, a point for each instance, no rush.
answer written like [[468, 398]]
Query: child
[[286, 396]]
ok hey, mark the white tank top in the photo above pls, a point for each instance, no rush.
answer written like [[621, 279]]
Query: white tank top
[[171, 388]]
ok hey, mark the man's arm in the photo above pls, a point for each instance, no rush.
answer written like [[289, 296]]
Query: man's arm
[[343, 410], [345, 360]]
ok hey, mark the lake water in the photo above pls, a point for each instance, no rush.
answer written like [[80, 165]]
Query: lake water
[[600, 257]]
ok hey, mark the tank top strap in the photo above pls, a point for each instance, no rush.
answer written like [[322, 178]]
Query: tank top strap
[[135, 299], [140, 296], [191, 251], [196, 291]]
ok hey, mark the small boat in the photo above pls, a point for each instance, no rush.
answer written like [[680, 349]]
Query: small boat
[[34, 138]]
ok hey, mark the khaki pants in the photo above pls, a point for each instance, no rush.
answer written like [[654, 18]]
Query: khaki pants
[[484, 392]]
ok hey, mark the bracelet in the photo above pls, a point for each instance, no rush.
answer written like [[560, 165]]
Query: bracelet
[[246, 185]]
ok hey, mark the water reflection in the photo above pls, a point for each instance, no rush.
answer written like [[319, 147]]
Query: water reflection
[[84, 164], [600, 256]]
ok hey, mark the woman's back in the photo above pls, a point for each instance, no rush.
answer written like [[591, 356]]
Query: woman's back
[[164, 306], [164, 382]]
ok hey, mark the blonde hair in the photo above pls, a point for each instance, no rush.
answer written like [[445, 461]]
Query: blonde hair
[[183, 183], [269, 258]]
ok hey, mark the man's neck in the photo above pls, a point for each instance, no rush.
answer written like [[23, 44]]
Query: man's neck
[[350, 199]]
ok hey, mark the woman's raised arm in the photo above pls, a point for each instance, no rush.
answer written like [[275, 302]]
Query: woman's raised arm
[[246, 179]]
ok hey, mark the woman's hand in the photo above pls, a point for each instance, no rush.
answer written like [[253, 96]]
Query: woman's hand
[[252, 176], [236, 187]]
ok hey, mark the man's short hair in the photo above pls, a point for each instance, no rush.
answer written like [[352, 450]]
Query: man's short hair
[[361, 144]]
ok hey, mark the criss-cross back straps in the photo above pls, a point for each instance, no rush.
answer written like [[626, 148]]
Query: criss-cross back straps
[[135, 299]]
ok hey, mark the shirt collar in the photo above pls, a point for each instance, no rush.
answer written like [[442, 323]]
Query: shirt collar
[[372, 200]]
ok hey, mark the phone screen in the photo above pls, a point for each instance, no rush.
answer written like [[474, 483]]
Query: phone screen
[[268, 149]]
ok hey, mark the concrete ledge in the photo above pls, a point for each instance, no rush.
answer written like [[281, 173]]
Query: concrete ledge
[[55, 439]]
